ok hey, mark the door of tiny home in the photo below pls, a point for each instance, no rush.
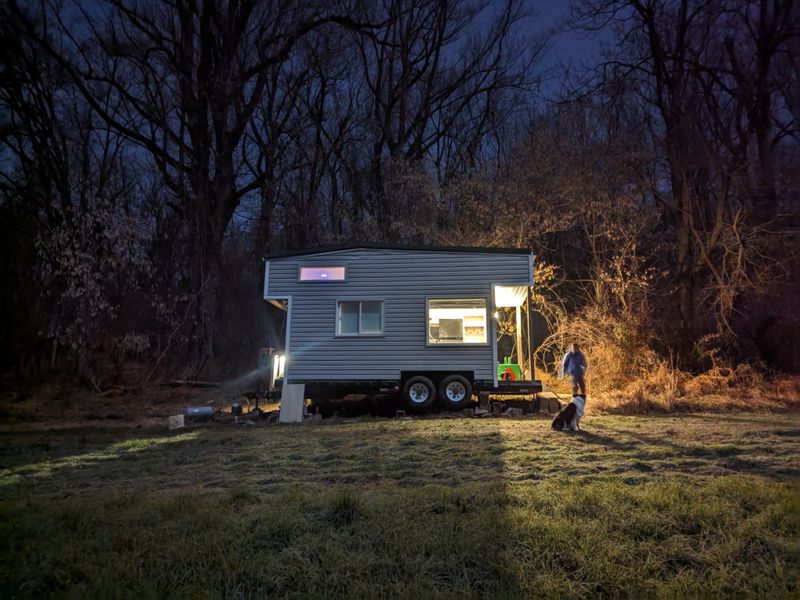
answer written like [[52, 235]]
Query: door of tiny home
[[512, 343]]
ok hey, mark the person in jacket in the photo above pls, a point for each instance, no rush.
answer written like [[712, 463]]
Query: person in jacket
[[574, 365]]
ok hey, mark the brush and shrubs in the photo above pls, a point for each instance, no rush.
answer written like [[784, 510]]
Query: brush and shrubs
[[627, 375]]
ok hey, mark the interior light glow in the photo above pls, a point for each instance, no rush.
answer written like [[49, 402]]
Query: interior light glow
[[278, 366], [283, 365], [322, 273], [457, 321]]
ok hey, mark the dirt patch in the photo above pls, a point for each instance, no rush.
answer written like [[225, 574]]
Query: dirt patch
[[63, 405]]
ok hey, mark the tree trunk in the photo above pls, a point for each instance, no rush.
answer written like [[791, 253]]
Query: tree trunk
[[685, 259], [206, 314], [206, 281]]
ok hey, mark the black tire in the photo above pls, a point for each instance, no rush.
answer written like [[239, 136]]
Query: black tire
[[455, 392], [419, 393]]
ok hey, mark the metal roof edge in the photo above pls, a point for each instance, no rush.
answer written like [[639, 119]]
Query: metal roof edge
[[409, 247]]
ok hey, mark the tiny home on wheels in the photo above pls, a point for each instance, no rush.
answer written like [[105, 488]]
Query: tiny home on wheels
[[424, 322]]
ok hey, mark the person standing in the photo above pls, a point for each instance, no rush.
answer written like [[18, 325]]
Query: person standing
[[574, 364]]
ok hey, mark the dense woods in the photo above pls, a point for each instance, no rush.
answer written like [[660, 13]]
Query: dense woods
[[153, 151]]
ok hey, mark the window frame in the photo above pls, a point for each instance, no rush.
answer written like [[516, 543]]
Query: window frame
[[488, 327], [359, 334], [339, 266]]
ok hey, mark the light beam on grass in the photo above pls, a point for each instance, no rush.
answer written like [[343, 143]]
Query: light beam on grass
[[47, 468]]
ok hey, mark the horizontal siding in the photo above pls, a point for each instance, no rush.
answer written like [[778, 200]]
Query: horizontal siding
[[403, 279]]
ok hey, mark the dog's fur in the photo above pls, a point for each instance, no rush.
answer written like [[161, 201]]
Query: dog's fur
[[570, 416]]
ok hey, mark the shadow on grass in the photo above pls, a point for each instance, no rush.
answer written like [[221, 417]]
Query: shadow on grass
[[264, 458], [763, 419], [681, 449], [375, 510], [762, 456], [59, 458], [590, 437], [387, 509]]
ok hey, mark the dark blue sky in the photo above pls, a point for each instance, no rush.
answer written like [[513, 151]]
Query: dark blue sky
[[567, 47]]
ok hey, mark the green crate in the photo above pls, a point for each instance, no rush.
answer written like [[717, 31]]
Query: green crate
[[506, 367]]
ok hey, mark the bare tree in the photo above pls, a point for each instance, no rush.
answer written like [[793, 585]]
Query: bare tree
[[435, 88], [182, 81], [710, 108], [67, 193]]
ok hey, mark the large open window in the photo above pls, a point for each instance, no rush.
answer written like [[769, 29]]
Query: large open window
[[457, 321], [322, 273], [360, 317]]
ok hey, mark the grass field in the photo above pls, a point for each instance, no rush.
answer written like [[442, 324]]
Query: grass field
[[693, 505]]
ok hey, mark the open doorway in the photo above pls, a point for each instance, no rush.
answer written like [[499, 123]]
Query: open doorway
[[273, 357], [513, 333]]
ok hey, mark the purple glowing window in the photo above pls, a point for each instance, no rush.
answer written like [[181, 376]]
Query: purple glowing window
[[321, 273]]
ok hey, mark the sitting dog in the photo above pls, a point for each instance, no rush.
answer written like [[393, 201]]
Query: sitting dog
[[570, 416]]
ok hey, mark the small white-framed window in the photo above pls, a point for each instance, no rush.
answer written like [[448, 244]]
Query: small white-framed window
[[458, 321], [359, 317], [321, 273]]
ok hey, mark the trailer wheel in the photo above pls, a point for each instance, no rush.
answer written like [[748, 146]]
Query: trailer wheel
[[419, 393], [455, 391]]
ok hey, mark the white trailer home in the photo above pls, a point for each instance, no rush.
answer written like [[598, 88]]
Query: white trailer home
[[421, 321]]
